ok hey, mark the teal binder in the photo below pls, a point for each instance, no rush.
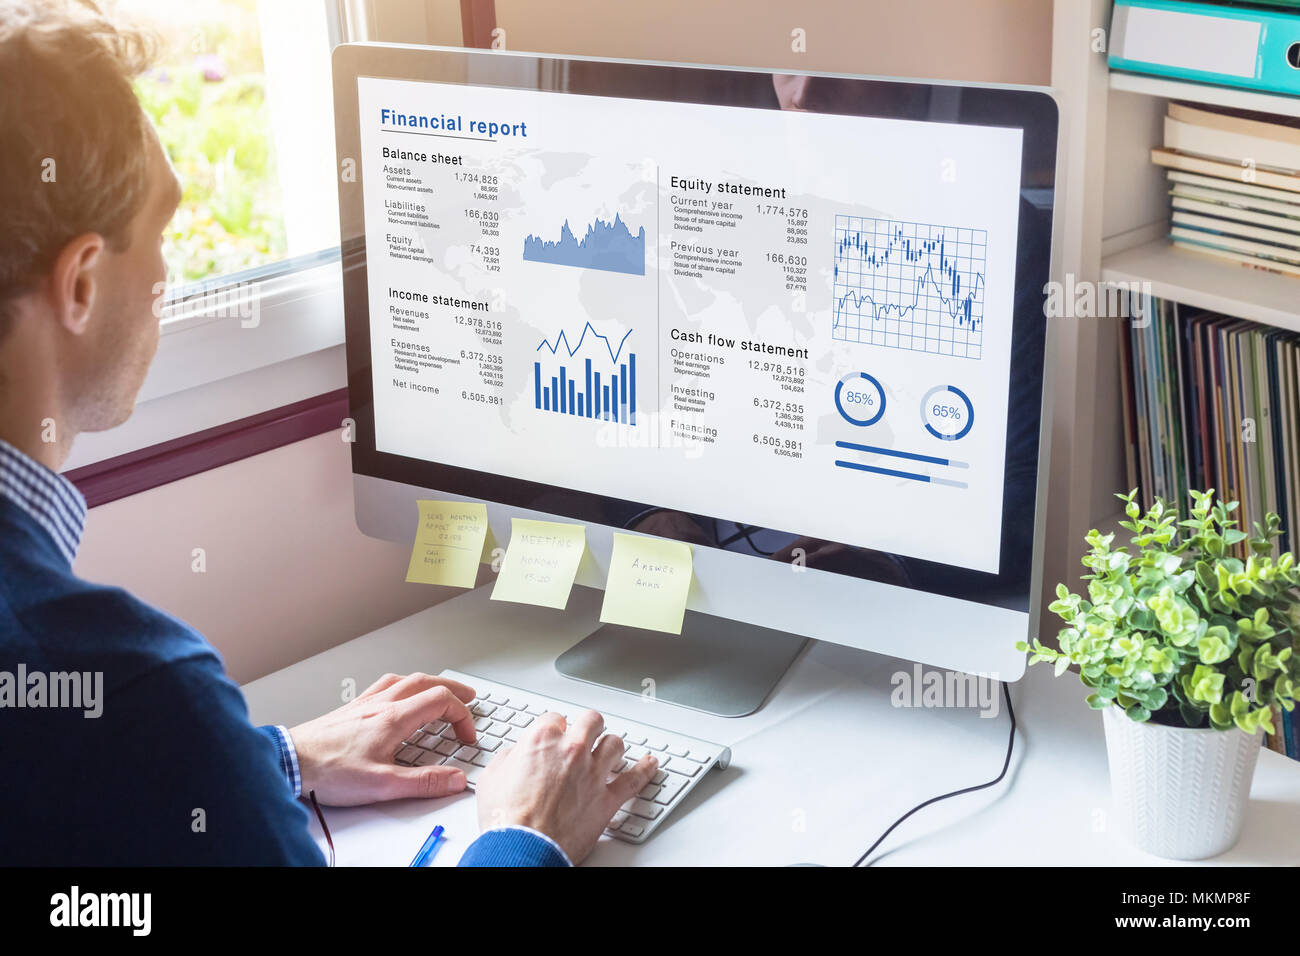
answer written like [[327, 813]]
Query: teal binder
[[1252, 48]]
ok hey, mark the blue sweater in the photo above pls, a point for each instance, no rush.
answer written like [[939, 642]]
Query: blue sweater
[[170, 771]]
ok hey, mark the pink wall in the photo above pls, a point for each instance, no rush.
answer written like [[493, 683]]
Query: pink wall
[[1005, 41]]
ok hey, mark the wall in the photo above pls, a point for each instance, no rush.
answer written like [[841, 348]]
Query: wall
[[1005, 41], [288, 573]]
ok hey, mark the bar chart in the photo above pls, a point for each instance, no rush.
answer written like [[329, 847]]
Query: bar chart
[[576, 386]]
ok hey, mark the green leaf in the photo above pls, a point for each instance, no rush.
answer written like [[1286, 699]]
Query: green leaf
[[1192, 716], [1139, 713]]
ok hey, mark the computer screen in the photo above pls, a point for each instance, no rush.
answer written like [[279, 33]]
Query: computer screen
[[793, 316]]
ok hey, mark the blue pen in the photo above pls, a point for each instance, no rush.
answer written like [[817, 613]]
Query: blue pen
[[429, 849]]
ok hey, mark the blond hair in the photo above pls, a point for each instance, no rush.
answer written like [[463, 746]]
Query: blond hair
[[74, 140]]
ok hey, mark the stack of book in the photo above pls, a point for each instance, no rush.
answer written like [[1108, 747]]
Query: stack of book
[[1211, 401], [1235, 181]]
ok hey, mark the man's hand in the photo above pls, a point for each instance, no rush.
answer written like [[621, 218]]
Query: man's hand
[[346, 756], [557, 780]]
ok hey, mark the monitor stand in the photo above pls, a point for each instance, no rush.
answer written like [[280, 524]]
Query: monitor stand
[[717, 665]]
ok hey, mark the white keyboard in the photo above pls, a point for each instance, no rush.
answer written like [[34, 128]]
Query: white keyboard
[[503, 713]]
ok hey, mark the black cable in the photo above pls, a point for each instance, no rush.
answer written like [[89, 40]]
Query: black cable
[[1011, 741], [745, 531]]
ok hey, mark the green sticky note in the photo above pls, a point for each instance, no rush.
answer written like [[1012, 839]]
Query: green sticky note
[[647, 584], [448, 543], [540, 563]]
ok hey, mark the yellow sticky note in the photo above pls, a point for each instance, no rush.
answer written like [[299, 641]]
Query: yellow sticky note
[[448, 543], [647, 584], [540, 563]]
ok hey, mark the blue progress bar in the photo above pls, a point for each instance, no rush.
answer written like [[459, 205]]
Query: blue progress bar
[[911, 456], [883, 471], [928, 479]]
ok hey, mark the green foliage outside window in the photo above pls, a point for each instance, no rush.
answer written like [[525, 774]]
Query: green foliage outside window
[[208, 102]]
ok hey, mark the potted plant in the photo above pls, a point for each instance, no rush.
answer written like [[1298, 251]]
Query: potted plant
[[1186, 650]]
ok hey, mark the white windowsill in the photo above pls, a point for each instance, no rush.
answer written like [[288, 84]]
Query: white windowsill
[[216, 364]]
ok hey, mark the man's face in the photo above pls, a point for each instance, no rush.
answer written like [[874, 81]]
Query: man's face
[[111, 360]]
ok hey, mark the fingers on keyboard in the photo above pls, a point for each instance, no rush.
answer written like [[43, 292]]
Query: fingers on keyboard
[[501, 716]]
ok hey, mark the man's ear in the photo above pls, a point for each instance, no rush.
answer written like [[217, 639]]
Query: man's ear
[[72, 285]]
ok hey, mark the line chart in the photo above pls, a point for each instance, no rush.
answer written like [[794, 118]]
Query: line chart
[[909, 285]]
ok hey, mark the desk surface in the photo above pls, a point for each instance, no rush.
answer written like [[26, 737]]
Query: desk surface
[[818, 772]]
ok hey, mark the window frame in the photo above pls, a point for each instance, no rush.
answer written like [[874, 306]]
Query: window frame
[[216, 364]]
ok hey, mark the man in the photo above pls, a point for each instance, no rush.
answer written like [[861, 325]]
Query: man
[[157, 763]]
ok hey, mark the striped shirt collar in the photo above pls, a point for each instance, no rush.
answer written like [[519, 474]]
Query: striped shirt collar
[[46, 497]]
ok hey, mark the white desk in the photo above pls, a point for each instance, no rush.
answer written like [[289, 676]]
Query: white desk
[[817, 774]]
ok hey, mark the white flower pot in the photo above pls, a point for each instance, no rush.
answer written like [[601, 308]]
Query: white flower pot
[[1178, 792]]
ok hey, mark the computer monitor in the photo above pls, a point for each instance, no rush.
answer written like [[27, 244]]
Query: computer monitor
[[795, 320]]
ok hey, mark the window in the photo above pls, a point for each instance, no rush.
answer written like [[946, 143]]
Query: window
[[242, 102]]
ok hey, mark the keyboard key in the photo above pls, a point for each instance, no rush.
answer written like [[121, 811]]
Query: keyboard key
[[447, 747], [535, 709], [522, 720], [466, 754], [435, 728], [449, 733], [659, 777], [428, 758], [637, 740], [650, 791], [619, 819], [408, 754], [482, 759], [657, 745], [632, 829], [498, 729], [682, 766], [677, 750], [498, 699], [484, 709], [489, 743], [635, 753], [643, 808], [513, 735], [482, 723], [471, 772], [698, 757], [670, 789], [505, 715], [427, 741]]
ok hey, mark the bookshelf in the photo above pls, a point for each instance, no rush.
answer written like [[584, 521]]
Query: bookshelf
[[1208, 283], [1113, 213], [1203, 93]]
